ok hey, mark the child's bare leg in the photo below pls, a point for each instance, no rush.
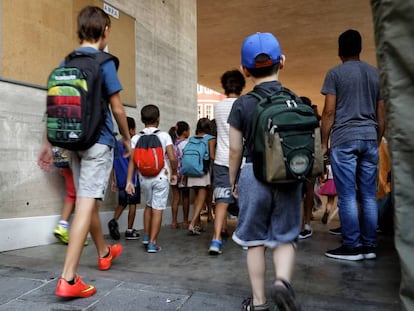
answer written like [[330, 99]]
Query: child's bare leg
[[147, 220], [284, 261], [131, 215], [308, 202], [156, 220], [174, 205], [96, 233], [118, 211], [256, 266], [80, 228], [67, 210], [185, 194], [198, 204], [219, 219], [329, 203]]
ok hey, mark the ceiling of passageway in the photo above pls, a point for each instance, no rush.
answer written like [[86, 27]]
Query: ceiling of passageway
[[306, 29]]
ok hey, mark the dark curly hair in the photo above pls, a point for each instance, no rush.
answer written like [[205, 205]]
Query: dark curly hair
[[233, 82]]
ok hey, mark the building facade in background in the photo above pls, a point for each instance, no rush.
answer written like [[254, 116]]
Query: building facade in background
[[206, 100]]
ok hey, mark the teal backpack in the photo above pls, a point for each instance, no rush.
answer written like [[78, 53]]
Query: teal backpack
[[285, 141], [195, 160]]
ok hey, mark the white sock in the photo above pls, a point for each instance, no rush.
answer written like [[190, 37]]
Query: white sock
[[64, 224]]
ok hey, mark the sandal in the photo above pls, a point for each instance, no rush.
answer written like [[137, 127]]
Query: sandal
[[247, 305], [194, 230], [284, 296]]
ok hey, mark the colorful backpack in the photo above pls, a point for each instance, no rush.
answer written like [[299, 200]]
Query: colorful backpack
[[196, 158], [149, 154], [76, 105]]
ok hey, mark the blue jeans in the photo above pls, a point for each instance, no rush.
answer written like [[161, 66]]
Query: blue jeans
[[354, 166]]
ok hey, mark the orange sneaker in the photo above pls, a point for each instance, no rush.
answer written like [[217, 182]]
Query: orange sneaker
[[77, 290], [104, 263]]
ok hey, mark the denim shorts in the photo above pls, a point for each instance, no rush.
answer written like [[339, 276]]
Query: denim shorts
[[222, 188], [269, 215], [91, 169]]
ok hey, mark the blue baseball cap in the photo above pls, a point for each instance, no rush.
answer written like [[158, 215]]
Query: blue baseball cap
[[260, 43]]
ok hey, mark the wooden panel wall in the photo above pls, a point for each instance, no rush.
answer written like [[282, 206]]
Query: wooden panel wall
[[36, 35]]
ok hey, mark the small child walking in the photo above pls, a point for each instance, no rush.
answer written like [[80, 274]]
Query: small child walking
[[200, 184], [328, 189], [180, 191], [119, 177], [155, 187], [61, 158]]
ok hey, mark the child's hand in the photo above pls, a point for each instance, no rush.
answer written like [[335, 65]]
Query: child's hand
[[173, 180], [235, 191], [130, 188], [127, 147], [45, 158]]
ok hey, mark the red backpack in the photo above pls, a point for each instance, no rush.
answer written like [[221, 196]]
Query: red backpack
[[149, 154]]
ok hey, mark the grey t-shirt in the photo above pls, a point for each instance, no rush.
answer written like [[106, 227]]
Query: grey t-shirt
[[356, 85]]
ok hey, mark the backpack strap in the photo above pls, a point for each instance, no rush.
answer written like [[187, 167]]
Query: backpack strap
[[143, 133], [207, 137], [101, 57], [104, 57], [261, 94]]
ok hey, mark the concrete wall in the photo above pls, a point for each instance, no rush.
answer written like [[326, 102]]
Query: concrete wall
[[166, 75]]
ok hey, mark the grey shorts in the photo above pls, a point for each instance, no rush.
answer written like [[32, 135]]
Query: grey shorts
[[269, 215], [222, 188], [156, 190], [91, 169]]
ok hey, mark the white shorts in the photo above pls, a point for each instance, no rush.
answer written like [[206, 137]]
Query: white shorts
[[91, 170], [156, 190]]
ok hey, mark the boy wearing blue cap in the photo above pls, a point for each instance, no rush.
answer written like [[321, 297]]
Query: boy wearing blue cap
[[269, 214]]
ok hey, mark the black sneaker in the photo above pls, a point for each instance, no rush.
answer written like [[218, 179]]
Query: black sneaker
[[305, 234], [369, 252], [113, 229], [336, 231], [131, 234], [346, 253]]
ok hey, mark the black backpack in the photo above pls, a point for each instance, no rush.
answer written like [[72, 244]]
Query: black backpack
[[285, 140], [76, 105]]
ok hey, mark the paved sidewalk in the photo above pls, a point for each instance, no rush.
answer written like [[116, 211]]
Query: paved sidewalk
[[184, 277]]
